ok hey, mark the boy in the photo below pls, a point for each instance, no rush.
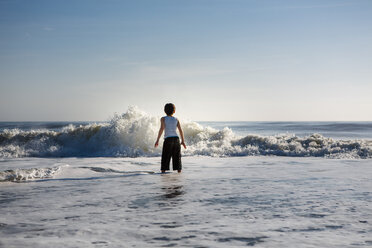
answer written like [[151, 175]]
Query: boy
[[171, 145]]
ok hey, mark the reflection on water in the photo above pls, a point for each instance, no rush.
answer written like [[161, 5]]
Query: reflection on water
[[172, 186], [167, 194], [173, 191]]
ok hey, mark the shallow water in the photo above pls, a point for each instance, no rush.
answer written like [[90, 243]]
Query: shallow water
[[214, 202]]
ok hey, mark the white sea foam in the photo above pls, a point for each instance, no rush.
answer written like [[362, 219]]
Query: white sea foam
[[133, 134], [21, 175]]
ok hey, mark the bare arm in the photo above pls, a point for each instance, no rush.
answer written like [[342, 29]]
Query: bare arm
[[162, 126], [181, 133]]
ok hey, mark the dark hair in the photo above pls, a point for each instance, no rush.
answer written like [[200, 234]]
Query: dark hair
[[169, 108]]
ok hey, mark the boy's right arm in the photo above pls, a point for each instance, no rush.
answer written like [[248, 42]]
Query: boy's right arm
[[162, 126]]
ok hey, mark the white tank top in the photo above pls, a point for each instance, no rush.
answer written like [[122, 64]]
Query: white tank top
[[170, 126]]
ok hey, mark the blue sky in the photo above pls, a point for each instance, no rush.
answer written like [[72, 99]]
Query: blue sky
[[222, 60]]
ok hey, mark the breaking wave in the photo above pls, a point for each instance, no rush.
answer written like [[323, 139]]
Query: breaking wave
[[133, 134]]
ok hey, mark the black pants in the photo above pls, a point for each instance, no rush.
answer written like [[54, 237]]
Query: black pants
[[171, 149]]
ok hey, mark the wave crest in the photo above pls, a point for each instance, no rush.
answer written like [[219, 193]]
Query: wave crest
[[133, 134]]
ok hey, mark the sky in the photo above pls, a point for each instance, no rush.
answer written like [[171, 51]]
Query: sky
[[216, 60]]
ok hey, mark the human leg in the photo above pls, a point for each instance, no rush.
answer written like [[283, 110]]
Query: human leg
[[176, 156], [166, 155]]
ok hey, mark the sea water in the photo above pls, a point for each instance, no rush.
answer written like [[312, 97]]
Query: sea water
[[263, 184]]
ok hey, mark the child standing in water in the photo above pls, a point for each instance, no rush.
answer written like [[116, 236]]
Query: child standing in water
[[171, 145]]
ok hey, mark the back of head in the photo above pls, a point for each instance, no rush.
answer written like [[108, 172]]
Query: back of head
[[169, 108]]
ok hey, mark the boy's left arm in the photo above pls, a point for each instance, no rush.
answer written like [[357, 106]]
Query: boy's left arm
[[181, 133]]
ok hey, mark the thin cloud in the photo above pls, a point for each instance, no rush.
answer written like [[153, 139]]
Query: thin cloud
[[48, 29], [320, 6]]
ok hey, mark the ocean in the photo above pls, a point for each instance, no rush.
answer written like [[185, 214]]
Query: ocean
[[262, 184]]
